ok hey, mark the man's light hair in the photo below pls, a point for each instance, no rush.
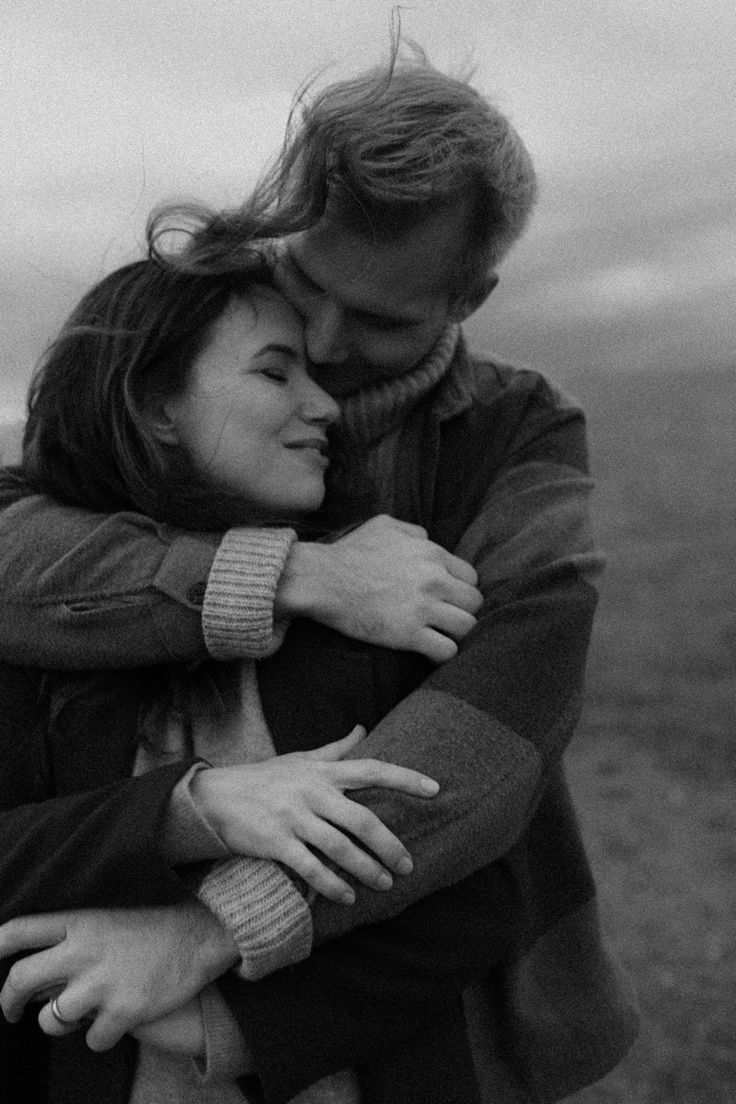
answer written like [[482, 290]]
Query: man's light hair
[[401, 142], [380, 153]]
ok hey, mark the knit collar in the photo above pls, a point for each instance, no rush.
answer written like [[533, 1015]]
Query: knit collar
[[376, 410]]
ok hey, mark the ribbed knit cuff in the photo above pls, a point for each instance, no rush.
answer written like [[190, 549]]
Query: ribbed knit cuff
[[264, 912], [237, 614]]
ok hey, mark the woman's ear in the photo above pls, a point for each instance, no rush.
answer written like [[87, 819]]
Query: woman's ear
[[161, 417], [469, 303]]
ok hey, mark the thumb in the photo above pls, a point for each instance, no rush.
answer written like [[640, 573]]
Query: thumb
[[340, 748]]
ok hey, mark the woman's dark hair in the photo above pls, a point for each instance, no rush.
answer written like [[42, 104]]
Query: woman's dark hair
[[128, 345], [90, 438]]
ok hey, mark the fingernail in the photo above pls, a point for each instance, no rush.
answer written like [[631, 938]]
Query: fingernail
[[429, 785], [405, 865], [348, 897], [384, 880]]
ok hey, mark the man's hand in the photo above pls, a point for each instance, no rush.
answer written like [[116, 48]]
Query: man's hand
[[180, 1032], [293, 809], [386, 583], [118, 968]]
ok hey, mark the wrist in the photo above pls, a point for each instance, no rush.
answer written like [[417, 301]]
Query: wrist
[[303, 589], [218, 950], [204, 791]]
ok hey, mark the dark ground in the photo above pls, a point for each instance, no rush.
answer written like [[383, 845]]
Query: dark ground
[[653, 765]]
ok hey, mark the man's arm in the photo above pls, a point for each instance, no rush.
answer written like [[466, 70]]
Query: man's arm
[[489, 724], [376, 989], [84, 590]]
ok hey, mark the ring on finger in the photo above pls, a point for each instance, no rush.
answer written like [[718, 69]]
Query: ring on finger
[[58, 1016]]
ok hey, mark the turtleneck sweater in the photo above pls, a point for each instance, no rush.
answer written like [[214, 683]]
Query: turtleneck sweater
[[366, 437]]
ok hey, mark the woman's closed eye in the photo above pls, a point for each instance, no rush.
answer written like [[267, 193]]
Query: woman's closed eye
[[275, 372]]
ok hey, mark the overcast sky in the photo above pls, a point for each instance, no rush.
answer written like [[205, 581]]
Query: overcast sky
[[628, 107]]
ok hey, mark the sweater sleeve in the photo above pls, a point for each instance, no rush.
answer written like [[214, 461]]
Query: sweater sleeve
[[237, 615], [264, 911], [83, 590]]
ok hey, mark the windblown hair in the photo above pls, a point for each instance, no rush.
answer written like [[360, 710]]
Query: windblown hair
[[130, 343], [384, 151]]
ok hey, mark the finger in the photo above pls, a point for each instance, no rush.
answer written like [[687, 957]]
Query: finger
[[365, 826], [107, 1030], [340, 748], [452, 621], [336, 846], [359, 774], [26, 933], [74, 1005], [435, 646], [460, 594], [407, 527], [313, 871], [27, 978], [49, 1024], [461, 569]]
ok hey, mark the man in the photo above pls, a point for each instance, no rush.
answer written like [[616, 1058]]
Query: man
[[409, 189]]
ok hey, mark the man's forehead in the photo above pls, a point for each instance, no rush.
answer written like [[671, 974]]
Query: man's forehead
[[373, 272]]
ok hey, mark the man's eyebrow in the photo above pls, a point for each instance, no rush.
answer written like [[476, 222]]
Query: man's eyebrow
[[365, 312], [304, 275], [278, 347]]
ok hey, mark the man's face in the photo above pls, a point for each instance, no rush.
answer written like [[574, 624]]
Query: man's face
[[372, 309]]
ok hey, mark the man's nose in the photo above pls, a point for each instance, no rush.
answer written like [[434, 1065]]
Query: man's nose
[[324, 334]]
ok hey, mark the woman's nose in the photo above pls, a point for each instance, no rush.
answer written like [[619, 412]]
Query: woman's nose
[[317, 405]]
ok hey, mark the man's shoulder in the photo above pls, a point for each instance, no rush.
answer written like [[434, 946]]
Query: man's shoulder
[[488, 389], [492, 379]]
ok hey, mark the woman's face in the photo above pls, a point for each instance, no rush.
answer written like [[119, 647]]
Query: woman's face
[[251, 419]]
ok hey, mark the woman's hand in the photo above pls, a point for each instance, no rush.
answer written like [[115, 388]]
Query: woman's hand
[[386, 583], [287, 807], [116, 968]]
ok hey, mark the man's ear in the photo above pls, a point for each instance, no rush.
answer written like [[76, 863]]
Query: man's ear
[[469, 303]]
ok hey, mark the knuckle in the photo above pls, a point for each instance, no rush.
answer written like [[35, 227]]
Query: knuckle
[[362, 821], [339, 847], [309, 865]]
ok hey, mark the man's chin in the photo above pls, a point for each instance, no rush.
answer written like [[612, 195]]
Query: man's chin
[[345, 380]]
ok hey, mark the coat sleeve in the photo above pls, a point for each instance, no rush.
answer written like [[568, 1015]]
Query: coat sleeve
[[87, 590], [375, 991], [97, 848], [491, 724]]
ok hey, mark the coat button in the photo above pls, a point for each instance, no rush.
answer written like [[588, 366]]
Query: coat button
[[196, 592]]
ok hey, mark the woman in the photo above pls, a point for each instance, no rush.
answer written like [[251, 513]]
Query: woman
[[188, 398]]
